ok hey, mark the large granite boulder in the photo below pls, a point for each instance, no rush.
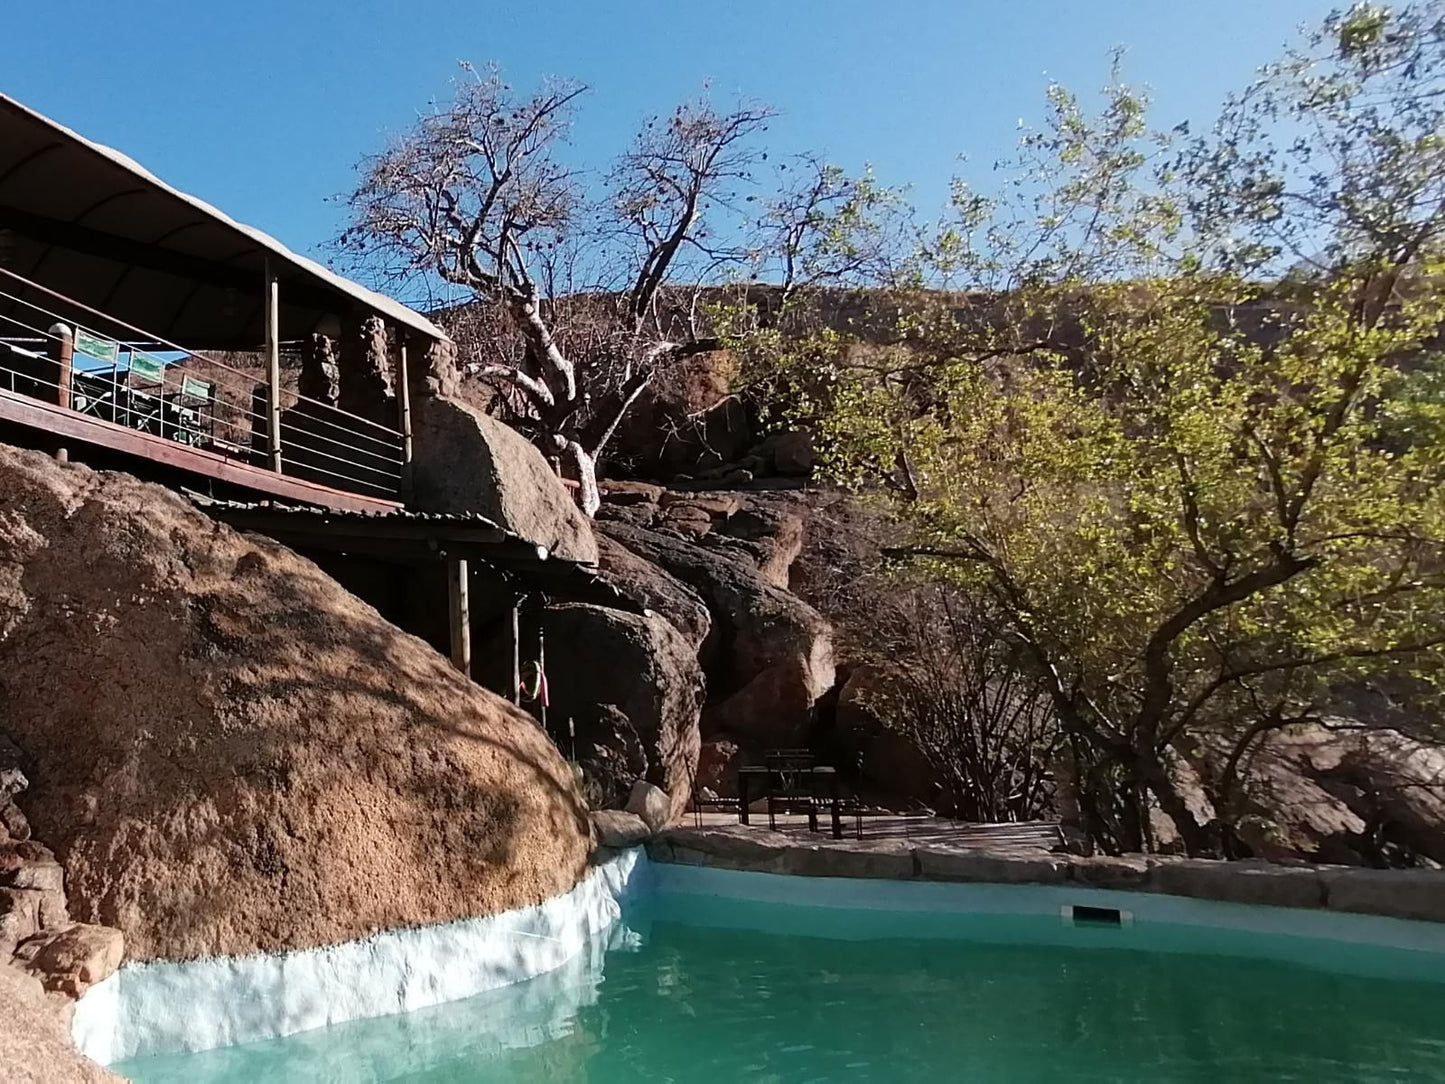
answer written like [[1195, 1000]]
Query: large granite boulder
[[687, 419], [466, 461], [1344, 794], [228, 753], [769, 656], [627, 680], [771, 536], [649, 585], [884, 757]]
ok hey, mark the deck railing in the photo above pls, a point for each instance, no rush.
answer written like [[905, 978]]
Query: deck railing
[[63, 352]]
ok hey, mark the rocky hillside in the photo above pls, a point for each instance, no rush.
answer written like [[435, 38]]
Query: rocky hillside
[[717, 566], [228, 753]]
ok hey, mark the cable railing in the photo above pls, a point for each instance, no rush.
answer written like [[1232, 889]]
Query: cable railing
[[187, 397]]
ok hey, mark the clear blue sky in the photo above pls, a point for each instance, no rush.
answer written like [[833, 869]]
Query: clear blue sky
[[261, 107]]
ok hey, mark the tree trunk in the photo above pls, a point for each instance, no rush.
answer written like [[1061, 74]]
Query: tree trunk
[[1199, 842], [586, 467]]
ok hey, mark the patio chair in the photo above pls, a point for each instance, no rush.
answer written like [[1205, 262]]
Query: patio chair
[[791, 785], [705, 801]]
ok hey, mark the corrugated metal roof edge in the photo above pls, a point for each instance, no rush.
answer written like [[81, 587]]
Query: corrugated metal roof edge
[[383, 305]]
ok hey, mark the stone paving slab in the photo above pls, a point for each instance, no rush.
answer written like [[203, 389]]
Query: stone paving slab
[[1406, 894]]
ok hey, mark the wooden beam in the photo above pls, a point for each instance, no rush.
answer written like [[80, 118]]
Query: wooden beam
[[459, 605], [273, 366], [399, 529], [47, 417]]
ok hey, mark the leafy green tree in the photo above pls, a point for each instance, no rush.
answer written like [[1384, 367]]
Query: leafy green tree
[[1176, 473]]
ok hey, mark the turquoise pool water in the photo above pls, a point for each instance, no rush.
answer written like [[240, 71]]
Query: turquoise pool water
[[715, 990]]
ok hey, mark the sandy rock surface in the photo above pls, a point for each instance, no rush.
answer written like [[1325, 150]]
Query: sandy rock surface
[[229, 753], [467, 461], [35, 1046]]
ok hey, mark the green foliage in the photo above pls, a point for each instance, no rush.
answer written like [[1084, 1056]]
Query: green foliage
[[1202, 502]]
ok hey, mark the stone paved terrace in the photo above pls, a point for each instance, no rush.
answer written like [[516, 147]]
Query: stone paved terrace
[[1034, 835], [949, 853]]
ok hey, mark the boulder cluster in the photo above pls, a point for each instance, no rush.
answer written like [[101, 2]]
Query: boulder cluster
[[714, 568], [36, 933], [229, 753]]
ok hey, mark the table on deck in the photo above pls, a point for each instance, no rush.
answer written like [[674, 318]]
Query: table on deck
[[749, 773]]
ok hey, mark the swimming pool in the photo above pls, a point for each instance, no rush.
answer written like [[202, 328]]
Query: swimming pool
[[721, 976]]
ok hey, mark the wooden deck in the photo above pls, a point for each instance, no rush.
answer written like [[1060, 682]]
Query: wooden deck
[[63, 422]]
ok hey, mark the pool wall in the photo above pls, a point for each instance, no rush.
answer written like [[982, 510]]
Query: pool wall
[[1410, 894], [166, 1007], [860, 909], [695, 877]]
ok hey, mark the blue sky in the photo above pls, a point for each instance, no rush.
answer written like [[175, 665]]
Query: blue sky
[[261, 107]]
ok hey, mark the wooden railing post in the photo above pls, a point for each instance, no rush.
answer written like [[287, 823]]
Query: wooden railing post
[[63, 347], [273, 367]]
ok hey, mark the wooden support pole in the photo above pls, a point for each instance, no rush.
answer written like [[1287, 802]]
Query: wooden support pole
[[517, 652], [542, 664], [63, 347], [459, 603], [273, 367], [403, 404]]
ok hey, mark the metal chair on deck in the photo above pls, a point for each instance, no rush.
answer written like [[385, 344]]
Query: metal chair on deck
[[791, 785]]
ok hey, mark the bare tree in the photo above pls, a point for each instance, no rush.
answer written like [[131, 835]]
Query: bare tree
[[964, 697], [825, 229], [477, 196]]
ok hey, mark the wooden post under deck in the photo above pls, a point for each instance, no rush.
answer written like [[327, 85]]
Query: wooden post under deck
[[403, 403], [517, 652], [273, 367], [461, 615]]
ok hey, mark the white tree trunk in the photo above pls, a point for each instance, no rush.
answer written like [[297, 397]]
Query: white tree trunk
[[586, 467]]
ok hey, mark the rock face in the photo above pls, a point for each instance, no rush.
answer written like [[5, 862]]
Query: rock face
[[634, 688], [686, 418], [1344, 795], [466, 461], [36, 933], [32, 894], [651, 803], [35, 1046], [618, 828], [72, 960], [651, 586], [228, 753], [885, 758], [717, 767], [769, 656], [716, 566]]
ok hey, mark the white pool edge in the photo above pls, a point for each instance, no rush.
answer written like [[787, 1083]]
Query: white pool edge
[[174, 1007]]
